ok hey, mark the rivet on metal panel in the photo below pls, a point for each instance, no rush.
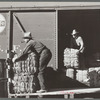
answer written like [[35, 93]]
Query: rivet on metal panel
[[1, 49], [16, 47]]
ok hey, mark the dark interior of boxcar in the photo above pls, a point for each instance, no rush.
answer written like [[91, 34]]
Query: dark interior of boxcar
[[87, 22]]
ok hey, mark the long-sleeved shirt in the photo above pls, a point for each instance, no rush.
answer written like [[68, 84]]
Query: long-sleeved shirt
[[31, 46]]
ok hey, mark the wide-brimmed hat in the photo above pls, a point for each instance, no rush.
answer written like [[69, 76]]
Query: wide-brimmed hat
[[74, 32], [27, 35]]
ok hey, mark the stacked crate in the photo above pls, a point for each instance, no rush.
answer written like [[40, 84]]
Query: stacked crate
[[24, 79]]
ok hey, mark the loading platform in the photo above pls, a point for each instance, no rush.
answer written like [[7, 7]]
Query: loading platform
[[66, 93]]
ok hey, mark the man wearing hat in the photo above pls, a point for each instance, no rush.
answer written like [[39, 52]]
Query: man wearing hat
[[43, 53], [77, 42], [78, 45]]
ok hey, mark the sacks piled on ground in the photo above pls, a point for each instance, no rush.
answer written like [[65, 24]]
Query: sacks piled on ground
[[23, 83], [71, 58], [94, 76], [24, 79], [82, 76]]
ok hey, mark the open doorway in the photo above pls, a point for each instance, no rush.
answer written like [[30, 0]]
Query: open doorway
[[87, 22]]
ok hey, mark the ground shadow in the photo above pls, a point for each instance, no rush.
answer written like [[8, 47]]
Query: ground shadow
[[58, 79]]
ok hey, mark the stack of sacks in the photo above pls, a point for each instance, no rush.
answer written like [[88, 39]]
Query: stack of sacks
[[23, 84], [71, 59], [82, 75], [24, 79], [94, 76]]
